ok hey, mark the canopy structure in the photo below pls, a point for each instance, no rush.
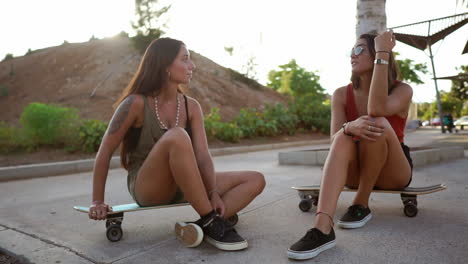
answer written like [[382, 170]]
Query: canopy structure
[[422, 35]]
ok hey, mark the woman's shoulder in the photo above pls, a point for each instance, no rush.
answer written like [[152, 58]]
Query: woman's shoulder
[[402, 86], [340, 93], [192, 102]]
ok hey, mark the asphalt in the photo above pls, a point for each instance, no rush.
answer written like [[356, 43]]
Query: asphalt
[[38, 224]]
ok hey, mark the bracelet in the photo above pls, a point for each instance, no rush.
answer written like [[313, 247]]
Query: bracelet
[[215, 190], [384, 51], [344, 129]]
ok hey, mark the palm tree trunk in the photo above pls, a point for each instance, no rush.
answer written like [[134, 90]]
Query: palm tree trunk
[[370, 17]]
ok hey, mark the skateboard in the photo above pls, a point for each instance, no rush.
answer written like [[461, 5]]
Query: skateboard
[[114, 219], [310, 194]]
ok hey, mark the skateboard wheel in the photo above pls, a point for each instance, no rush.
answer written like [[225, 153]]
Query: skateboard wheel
[[411, 210], [315, 200], [305, 205], [114, 233], [232, 221]]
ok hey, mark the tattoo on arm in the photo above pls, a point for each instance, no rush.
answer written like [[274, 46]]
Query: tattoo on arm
[[120, 115]]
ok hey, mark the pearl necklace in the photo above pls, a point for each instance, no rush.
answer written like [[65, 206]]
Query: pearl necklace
[[157, 112]]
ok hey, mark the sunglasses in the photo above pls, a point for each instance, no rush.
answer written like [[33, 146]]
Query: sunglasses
[[356, 51]]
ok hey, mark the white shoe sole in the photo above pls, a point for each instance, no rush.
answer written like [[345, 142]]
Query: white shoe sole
[[357, 224], [191, 235], [300, 255], [227, 246]]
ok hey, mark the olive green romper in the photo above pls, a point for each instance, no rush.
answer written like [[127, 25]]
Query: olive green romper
[[149, 134]]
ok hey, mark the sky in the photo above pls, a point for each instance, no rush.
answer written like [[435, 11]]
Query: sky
[[317, 34]]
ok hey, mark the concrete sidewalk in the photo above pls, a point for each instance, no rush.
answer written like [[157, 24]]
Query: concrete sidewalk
[[37, 220]]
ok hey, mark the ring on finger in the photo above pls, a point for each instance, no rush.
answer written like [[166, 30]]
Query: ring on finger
[[369, 128]]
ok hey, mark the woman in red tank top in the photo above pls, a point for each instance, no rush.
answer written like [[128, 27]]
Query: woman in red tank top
[[367, 135]]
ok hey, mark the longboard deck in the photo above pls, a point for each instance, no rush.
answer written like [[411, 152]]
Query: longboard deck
[[407, 190], [129, 207]]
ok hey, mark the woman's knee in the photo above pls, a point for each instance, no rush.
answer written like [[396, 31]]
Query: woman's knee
[[176, 136], [258, 181]]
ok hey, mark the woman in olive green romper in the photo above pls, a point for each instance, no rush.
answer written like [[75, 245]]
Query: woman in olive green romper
[[165, 151]]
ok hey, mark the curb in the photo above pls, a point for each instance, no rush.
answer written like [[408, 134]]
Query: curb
[[420, 158], [70, 167]]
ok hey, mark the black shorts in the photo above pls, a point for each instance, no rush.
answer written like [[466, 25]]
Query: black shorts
[[406, 150]]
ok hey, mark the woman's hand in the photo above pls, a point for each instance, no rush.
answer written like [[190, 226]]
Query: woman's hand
[[217, 203], [99, 210], [385, 41], [365, 127]]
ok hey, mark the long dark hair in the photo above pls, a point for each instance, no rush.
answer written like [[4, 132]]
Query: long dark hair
[[148, 81], [392, 66]]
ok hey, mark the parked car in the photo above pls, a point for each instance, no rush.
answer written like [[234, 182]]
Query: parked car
[[461, 122], [435, 121], [426, 123]]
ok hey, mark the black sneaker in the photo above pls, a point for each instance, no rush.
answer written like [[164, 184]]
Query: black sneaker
[[219, 234], [357, 216], [190, 234], [312, 244]]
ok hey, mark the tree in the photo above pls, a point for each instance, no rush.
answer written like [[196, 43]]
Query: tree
[[460, 87], [8, 56], [370, 17], [249, 68], [229, 50], [295, 80], [408, 70], [147, 26]]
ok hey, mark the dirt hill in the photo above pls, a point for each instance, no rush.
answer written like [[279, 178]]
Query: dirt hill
[[90, 77]]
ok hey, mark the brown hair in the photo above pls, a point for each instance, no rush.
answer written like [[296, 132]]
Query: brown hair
[[392, 66], [147, 81]]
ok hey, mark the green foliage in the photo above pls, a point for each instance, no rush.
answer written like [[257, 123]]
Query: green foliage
[[249, 68], [286, 120], [313, 113], [225, 131], [50, 125], [295, 80], [29, 52], [460, 87], [229, 50], [409, 70], [253, 124], [91, 133], [147, 14], [4, 91], [11, 139], [450, 104], [9, 56], [123, 34]]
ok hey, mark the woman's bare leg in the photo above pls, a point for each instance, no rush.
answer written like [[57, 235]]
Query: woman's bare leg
[[342, 153], [172, 163], [382, 164], [238, 189]]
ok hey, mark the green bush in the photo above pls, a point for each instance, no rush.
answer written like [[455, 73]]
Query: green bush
[[214, 128], [286, 121], [4, 91], [8, 56], [50, 125], [91, 133], [313, 114], [229, 132], [10, 139]]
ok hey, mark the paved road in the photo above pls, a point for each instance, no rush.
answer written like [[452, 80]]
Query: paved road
[[37, 220]]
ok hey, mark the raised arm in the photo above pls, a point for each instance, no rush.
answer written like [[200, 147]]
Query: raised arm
[[380, 102]]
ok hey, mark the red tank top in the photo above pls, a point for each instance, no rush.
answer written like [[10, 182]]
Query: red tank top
[[398, 124]]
